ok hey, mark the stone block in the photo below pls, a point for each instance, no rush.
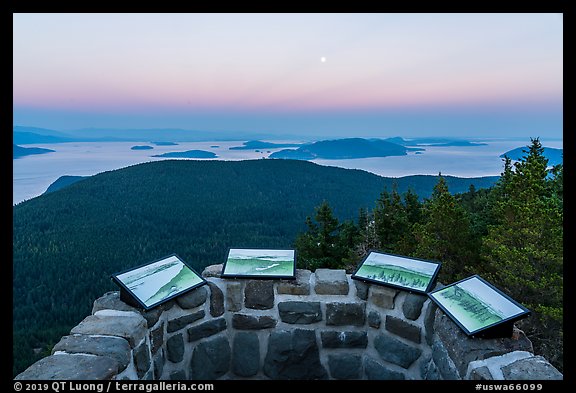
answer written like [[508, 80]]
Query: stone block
[[157, 338], [130, 326], [341, 339], [481, 374], [259, 294], [532, 368], [374, 319], [345, 366], [210, 359], [463, 349], [395, 351], [429, 322], [179, 375], [361, 289], [216, 300], [234, 296], [142, 362], [298, 286], [245, 354], [293, 355], [331, 282], [382, 296], [446, 367], [181, 322], [252, 322], [159, 361], [206, 329], [152, 316], [111, 301], [114, 347], [403, 329], [71, 367], [192, 299], [338, 314], [377, 371], [175, 348], [296, 312], [213, 270], [429, 371], [412, 306]]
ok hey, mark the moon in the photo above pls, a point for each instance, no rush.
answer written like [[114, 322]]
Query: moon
[[323, 59]]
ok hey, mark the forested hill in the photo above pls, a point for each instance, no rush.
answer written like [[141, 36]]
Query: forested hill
[[67, 243]]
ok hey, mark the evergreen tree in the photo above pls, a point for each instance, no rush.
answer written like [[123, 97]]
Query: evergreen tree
[[523, 250], [413, 207], [390, 219], [445, 235], [319, 246], [367, 238], [477, 204], [407, 243]]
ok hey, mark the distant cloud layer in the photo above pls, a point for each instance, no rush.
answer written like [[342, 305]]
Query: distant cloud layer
[[419, 73]]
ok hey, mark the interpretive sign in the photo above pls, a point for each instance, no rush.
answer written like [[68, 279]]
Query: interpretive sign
[[260, 263], [478, 307], [156, 282], [415, 275]]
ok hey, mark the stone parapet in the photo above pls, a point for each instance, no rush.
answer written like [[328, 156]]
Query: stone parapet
[[323, 325]]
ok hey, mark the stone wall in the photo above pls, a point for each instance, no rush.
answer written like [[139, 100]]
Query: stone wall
[[323, 325]]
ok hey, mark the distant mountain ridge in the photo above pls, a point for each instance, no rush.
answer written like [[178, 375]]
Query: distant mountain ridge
[[30, 135]]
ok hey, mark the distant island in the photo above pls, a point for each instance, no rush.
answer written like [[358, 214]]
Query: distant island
[[342, 149], [165, 143], [19, 151], [141, 147], [553, 155], [458, 143], [253, 145], [188, 154], [432, 142]]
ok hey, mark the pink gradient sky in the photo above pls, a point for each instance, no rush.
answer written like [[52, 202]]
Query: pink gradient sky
[[103, 70]]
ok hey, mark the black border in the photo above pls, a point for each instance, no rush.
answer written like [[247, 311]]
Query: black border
[[292, 277], [118, 282], [509, 320], [431, 284]]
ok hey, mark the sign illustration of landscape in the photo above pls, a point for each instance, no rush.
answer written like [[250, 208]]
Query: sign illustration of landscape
[[398, 271], [260, 263], [475, 305], [156, 282]]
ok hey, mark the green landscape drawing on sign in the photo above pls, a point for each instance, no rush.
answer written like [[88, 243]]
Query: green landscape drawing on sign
[[159, 280], [468, 309], [185, 279], [397, 270], [396, 275], [260, 263]]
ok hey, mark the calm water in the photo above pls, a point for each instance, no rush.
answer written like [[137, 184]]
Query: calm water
[[33, 174]]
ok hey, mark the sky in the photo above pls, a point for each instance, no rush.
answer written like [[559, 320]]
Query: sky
[[292, 74]]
